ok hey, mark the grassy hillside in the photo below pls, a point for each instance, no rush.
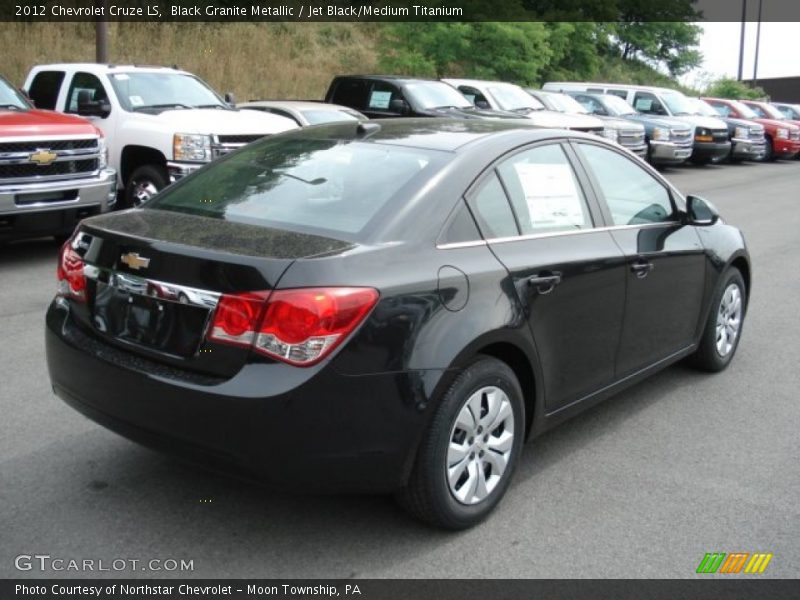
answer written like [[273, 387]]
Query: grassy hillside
[[254, 60]]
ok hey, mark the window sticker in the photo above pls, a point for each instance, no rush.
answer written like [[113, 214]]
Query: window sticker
[[136, 100], [121, 77], [551, 195], [644, 104], [380, 100]]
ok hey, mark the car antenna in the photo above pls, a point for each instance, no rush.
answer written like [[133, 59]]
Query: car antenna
[[364, 130]]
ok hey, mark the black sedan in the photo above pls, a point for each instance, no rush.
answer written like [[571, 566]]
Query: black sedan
[[390, 306]]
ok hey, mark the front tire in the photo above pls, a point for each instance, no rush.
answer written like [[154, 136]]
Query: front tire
[[469, 453], [144, 183], [724, 326]]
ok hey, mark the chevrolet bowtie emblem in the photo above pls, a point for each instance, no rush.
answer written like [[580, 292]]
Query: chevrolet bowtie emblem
[[43, 157], [134, 261]]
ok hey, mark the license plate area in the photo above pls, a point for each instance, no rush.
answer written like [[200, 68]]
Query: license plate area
[[136, 317]]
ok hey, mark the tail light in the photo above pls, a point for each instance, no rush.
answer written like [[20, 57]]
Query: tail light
[[71, 280], [298, 326]]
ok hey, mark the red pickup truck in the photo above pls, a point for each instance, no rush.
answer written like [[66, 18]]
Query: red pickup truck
[[53, 170], [783, 138]]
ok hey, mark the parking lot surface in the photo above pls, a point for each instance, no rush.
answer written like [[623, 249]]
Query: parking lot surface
[[641, 486]]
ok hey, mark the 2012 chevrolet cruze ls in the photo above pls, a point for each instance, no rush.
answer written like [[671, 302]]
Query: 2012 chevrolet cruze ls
[[391, 306]]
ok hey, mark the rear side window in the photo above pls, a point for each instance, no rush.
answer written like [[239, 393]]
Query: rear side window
[[544, 191], [298, 183], [492, 211], [44, 89], [352, 93], [633, 195]]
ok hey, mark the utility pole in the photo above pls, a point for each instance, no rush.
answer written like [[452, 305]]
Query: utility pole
[[741, 40], [101, 34], [758, 42]]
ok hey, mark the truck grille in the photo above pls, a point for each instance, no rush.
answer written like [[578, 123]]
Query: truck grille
[[43, 160], [223, 144], [794, 135], [720, 135], [756, 133], [631, 137]]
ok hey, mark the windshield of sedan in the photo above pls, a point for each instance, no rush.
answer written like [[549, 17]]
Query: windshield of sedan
[[317, 117], [324, 186], [567, 104], [677, 103], [435, 94], [513, 97], [154, 90], [11, 99], [617, 106]]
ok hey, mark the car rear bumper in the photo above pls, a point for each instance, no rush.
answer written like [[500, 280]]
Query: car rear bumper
[[748, 149], [313, 429], [668, 152], [37, 209]]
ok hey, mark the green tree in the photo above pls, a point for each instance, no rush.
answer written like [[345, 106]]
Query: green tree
[[727, 87]]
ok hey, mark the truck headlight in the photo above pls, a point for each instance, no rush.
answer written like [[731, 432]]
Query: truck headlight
[[191, 146], [661, 134], [782, 133], [611, 134], [742, 133], [102, 153]]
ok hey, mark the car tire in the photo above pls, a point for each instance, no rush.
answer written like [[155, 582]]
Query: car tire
[[144, 183], [725, 320], [769, 152], [460, 496]]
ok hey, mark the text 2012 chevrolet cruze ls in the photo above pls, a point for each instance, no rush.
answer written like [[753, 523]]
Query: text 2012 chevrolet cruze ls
[[391, 307]]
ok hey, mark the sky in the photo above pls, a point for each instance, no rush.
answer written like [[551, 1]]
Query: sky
[[719, 44]]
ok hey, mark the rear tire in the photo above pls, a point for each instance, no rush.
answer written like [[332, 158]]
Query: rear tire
[[464, 465], [144, 183], [723, 328]]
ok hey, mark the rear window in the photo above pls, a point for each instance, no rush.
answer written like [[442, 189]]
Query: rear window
[[329, 187]]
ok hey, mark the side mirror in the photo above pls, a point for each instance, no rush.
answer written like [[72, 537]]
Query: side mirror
[[700, 212], [399, 106], [482, 104], [230, 98], [92, 108]]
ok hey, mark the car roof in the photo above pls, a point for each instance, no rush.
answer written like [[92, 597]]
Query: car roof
[[297, 105], [448, 135], [108, 68], [396, 78], [476, 82]]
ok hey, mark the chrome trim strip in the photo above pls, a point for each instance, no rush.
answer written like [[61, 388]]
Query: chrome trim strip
[[536, 236], [47, 178], [24, 157], [153, 288], [50, 138]]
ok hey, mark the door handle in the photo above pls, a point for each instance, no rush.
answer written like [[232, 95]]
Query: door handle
[[545, 282], [641, 268]]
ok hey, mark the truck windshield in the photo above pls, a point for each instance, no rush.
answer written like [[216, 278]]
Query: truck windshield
[[617, 106], [744, 111], [434, 94], [11, 99], [677, 103], [512, 97], [323, 186], [703, 108], [154, 90]]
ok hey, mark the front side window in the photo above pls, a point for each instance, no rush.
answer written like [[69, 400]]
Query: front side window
[[352, 93], [381, 96], [647, 103], [544, 191], [435, 94], [85, 82], [304, 184], [633, 196]]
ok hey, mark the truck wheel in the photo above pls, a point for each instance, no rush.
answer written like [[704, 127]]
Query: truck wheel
[[769, 153], [144, 183]]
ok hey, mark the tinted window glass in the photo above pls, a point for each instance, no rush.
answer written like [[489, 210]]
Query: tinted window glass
[[301, 184], [633, 195], [351, 93], [460, 227], [492, 211], [544, 191], [44, 89], [84, 82]]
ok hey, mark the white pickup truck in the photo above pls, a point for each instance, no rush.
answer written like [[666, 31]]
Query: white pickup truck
[[159, 123]]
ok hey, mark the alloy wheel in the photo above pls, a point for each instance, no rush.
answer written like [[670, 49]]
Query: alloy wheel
[[729, 319]]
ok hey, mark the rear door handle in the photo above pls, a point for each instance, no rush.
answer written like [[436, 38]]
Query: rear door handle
[[641, 268], [545, 282]]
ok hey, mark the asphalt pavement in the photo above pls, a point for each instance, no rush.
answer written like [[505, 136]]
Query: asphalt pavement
[[641, 486]]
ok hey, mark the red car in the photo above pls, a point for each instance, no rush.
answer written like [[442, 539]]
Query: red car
[[783, 138]]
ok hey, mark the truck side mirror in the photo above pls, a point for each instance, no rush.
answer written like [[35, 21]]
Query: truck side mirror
[[230, 98], [92, 108], [399, 106], [482, 104]]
